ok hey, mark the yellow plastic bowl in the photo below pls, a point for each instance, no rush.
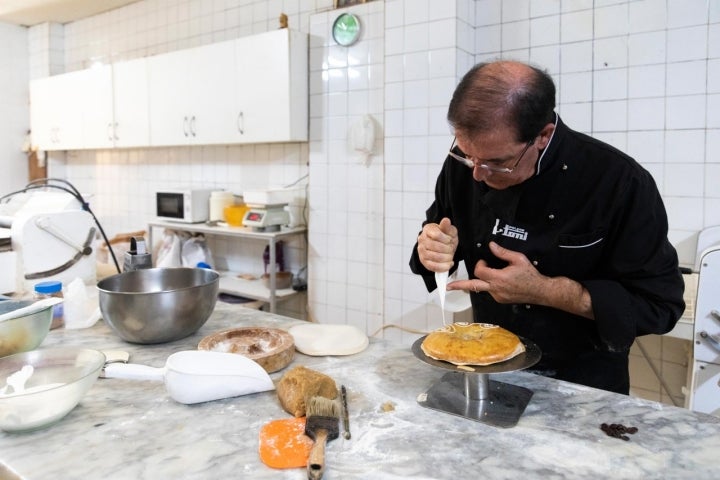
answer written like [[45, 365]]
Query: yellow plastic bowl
[[234, 214]]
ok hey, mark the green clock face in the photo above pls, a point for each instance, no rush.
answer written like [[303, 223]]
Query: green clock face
[[346, 29]]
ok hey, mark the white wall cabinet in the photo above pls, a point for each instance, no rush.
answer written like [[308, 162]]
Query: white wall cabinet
[[101, 107], [114, 106], [96, 107], [131, 120], [272, 87], [191, 94], [249, 90], [55, 113]]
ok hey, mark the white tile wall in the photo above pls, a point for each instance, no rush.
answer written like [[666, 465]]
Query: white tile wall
[[345, 255], [14, 116]]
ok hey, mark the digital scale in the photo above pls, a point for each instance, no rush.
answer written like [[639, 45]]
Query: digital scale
[[266, 218]]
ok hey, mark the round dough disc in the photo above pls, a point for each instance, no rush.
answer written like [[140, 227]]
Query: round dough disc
[[318, 339]]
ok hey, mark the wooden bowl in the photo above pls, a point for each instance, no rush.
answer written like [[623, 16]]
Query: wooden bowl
[[272, 348], [282, 280]]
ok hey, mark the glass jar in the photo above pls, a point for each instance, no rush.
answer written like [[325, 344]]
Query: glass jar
[[52, 288]]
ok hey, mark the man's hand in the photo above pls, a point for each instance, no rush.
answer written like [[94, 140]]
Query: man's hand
[[437, 244], [521, 282], [518, 282]]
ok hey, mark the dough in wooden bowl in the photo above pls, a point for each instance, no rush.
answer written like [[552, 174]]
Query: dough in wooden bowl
[[272, 348], [472, 344]]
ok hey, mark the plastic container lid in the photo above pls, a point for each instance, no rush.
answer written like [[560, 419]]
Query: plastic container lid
[[52, 286], [222, 194]]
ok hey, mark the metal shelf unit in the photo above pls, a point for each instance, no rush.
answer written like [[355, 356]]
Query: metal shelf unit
[[229, 281]]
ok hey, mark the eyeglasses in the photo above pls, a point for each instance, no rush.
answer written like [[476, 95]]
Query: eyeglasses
[[470, 161]]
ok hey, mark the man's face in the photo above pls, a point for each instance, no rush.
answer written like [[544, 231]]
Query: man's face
[[498, 158]]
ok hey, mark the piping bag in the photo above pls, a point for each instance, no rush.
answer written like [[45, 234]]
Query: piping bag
[[441, 279], [454, 300]]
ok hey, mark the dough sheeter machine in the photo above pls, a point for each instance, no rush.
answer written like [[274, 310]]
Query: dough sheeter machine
[[47, 236]]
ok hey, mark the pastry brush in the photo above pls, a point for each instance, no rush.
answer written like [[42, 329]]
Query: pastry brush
[[322, 426]]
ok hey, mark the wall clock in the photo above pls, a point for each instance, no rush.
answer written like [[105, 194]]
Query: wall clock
[[346, 29]]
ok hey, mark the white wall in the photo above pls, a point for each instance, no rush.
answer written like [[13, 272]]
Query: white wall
[[14, 110], [346, 191]]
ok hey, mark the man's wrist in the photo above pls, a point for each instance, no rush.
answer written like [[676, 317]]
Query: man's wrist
[[568, 295]]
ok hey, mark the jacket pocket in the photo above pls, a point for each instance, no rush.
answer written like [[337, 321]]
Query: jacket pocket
[[579, 255], [585, 240]]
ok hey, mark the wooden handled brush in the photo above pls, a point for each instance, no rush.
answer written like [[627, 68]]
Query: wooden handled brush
[[322, 426]]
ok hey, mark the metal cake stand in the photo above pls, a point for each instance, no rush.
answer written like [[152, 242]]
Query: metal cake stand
[[468, 392]]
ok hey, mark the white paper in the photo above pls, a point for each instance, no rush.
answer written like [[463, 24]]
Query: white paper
[[81, 308]]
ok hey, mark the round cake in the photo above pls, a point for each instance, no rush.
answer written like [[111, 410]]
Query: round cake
[[472, 344]]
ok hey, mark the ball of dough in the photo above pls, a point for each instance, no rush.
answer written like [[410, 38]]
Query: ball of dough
[[301, 383]]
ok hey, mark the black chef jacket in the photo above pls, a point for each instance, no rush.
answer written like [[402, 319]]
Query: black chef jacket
[[591, 213]]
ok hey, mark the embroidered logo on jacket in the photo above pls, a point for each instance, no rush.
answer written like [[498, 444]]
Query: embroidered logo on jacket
[[509, 231]]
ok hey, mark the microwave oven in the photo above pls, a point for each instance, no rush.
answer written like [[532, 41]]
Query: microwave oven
[[183, 205]]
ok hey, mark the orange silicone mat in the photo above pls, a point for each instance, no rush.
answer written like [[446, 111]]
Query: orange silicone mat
[[283, 443]]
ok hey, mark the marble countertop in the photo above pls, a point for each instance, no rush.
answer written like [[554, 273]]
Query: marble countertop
[[126, 429]]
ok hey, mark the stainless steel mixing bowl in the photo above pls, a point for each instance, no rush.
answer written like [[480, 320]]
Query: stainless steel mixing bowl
[[158, 305]]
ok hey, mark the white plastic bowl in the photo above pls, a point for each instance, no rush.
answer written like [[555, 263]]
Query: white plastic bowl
[[61, 378]]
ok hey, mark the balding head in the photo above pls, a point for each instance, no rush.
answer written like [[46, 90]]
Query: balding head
[[503, 94]]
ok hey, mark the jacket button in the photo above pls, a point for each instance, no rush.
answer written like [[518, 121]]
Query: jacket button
[[478, 245], [551, 217], [535, 262], [527, 307], [564, 167]]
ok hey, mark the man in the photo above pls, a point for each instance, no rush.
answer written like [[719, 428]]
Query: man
[[564, 237]]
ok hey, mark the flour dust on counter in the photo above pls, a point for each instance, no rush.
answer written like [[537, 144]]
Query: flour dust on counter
[[557, 437]]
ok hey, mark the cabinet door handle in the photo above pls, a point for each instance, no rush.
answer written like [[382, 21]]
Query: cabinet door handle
[[192, 125], [185, 126], [241, 123]]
